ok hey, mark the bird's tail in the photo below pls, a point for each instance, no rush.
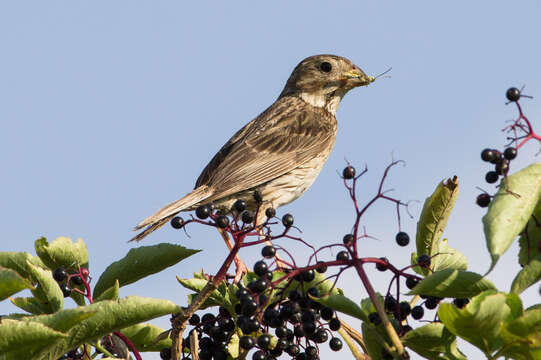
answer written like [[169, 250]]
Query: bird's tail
[[162, 216]]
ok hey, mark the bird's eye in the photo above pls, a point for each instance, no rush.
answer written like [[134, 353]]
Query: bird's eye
[[325, 66]]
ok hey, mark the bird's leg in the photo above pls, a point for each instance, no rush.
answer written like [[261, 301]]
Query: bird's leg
[[241, 267]]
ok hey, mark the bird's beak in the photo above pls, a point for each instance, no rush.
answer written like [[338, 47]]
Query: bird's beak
[[357, 77]]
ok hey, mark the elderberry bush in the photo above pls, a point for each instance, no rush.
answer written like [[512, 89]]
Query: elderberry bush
[[288, 307]]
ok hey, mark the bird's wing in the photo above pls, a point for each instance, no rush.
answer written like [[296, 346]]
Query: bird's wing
[[285, 136]]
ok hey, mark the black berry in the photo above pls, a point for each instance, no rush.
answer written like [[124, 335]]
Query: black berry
[[460, 303], [263, 341], [165, 353], [260, 268], [335, 344], [411, 282], [241, 293], [405, 310], [239, 205], [417, 312], [512, 94], [483, 200], [402, 238], [496, 158], [222, 221], [342, 256], [327, 313], [334, 324], [268, 251], [380, 266], [502, 167], [390, 303], [432, 302], [491, 177], [294, 295], [247, 216], [60, 274], [488, 155], [287, 220], [374, 318], [203, 211], [313, 291], [77, 280], [260, 285], [348, 239], [309, 327], [321, 336], [258, 197], [246, 342], [208, 318], [348, 172], [248, 307], [259, 355], [311, 351], [66, 289], [270, 212], [510, 153], [292, 350], [423, 260], [321, 267], [308, 275], [177, 222], [194, 320]]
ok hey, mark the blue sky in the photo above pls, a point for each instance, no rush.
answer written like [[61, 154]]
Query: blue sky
[[110, 110]]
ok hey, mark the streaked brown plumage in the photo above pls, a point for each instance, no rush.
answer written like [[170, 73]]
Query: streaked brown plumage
[[280, 152]]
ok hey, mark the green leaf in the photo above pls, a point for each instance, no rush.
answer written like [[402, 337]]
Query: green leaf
[[480, 321], [522, 336], [447, 258], [62, 252], [29, 304], [110, 294], [530, 238], [143, 336], [433, 341], [219, 296], [372, 341], [529, 275], [452, 283], [529, 254], [47, 292], [435, 214], [534, 307], [508, 213], [16, 335], [108, 316], [64, 320], [141, 262], [18, 261], [344, 305], [325, 286], [11, 283], [368, 307]]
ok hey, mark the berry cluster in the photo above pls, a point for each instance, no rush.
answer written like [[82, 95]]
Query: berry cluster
[[67, 281], [296, 320], [501, 162], [522, 130], [299, 323]]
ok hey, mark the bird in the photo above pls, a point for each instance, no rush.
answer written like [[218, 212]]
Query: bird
[[280, 152]]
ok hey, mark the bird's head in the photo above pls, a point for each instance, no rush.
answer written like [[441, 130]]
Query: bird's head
[[322, 80]]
